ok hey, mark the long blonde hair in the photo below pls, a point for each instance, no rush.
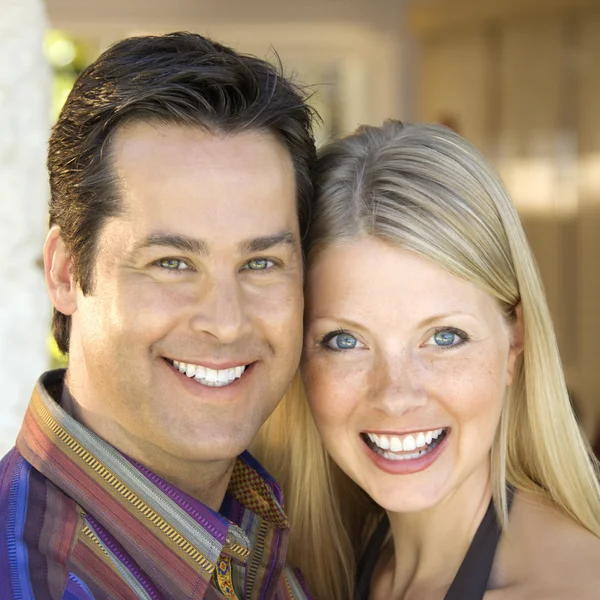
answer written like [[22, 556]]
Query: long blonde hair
[[425, 189]]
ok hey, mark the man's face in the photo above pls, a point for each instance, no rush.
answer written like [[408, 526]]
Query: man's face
[[193, 329]]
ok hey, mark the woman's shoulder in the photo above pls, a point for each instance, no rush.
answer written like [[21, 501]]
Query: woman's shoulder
[[546, 555]]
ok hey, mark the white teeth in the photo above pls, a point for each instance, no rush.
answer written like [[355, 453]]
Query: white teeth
[[411, 456], [408, 443], [395, 444], [210, 377]]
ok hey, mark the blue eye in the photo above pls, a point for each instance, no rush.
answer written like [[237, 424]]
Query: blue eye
[[448, 338], [445, 338], [259, 264], [172, 264], [340, 341]]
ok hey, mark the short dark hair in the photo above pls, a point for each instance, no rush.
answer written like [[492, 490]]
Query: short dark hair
[[179, 78]]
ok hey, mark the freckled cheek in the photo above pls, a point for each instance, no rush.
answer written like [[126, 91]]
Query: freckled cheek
[[477, 392], [334, 394]]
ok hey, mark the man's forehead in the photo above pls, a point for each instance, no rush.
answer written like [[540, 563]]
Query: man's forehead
[[144, 152], [137, 137], [235, 192], [168, 163]]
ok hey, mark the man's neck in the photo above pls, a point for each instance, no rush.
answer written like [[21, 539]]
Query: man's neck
[[206, 481]]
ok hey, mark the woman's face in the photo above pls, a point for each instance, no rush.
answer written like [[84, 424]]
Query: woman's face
[[405, 367]]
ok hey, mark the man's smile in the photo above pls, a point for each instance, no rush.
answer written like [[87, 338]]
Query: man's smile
[[208, 376]]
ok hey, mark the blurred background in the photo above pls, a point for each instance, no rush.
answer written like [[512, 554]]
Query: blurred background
[[520, 79]]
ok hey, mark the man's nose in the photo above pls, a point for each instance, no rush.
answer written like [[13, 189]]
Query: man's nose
[[221, 310]]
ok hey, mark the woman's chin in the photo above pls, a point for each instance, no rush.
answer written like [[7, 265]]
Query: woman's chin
[[408, 499]]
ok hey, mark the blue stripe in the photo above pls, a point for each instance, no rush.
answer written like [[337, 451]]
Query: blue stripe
[[17, 550], [74, 589]]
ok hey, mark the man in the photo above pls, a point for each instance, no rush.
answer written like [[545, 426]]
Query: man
[[180, 189]]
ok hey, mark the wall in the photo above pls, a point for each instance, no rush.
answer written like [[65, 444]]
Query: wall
[[24, 126]]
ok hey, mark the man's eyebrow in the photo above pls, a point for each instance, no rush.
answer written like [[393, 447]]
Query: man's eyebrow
[[260, 244], [197, 246], [183, 243]]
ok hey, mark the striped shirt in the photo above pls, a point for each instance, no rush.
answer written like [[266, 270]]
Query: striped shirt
[[79, 520]]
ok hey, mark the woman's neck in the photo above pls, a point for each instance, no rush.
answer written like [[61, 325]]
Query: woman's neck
[[429, 546]]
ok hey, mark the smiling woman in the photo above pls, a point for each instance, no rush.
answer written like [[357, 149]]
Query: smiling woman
[[432, 462], [437, 366]]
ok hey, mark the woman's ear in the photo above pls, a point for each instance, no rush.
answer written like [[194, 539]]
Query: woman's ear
[[517, 335], [58, 272]]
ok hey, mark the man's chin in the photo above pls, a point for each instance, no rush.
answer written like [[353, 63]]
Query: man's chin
[[212, 450]]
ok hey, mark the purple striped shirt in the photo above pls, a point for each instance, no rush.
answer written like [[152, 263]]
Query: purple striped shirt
[[79, 520]]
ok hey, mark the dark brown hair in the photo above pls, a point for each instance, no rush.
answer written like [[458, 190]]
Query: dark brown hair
[[181, 79]]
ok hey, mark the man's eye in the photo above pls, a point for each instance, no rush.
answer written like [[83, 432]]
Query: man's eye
[[340, 341], [448, 337], [173, 264], [259, 264]]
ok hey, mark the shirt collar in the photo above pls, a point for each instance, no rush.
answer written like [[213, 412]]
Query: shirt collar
[[134, 504]]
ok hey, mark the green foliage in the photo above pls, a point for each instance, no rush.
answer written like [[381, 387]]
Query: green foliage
[[58, 360], [67, 56]]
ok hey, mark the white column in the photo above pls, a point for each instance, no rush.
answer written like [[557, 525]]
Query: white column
[[24, 127]]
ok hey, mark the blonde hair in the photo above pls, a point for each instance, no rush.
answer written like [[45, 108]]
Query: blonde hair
[[425, 189]]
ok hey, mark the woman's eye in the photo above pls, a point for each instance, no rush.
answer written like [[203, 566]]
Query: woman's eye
[[173, 264], [341, 341], [447, 338], [259, 264]]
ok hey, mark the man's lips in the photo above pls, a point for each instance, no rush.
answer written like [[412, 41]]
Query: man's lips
[[211, 374]]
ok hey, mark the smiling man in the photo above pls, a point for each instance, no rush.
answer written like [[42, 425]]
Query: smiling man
[[180, 189]]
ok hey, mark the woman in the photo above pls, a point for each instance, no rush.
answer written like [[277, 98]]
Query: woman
[[434, 381]]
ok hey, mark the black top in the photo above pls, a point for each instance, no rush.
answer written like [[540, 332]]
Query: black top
[[471, 580]]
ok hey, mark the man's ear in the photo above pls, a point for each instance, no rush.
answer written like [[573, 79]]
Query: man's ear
[[58, 272], [517, 336]]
